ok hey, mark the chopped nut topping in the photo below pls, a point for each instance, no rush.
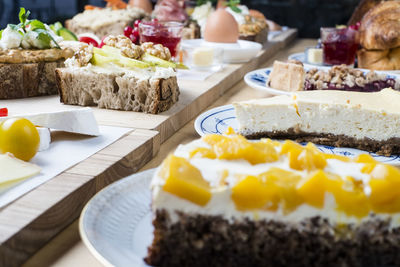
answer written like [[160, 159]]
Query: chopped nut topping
[[157, 50], [122, 42], [340, 76], [82, 56], [252, 25]]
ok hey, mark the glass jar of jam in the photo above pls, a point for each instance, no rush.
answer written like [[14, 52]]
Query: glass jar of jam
[[339, 45], [166, 33]]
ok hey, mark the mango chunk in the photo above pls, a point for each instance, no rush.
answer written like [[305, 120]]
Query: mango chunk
[[303, 158], [237, 147], [349, 196], [230, 131], [285, 184], [289, 145], [213, 139], [202, 152], [385, 184], [312, 189], [251, 193], [365, 158], [184, 180], [337, 157], [352, 203]]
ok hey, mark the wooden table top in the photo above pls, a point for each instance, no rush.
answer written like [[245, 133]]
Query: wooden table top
[[67, 249]]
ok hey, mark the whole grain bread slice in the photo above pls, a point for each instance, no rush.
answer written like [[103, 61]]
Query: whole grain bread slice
[[116, 91], [22, 80]]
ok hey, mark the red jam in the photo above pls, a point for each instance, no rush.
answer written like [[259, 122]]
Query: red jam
[[168, 34], [339, 46]]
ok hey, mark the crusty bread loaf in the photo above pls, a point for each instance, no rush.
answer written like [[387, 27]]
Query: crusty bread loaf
[[380, 27], [388, 59], [363, 7], [116, 91], [28, 79], [103, 22]]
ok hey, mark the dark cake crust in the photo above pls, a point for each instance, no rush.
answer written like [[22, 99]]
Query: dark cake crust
[[388, 147], [198, 240]]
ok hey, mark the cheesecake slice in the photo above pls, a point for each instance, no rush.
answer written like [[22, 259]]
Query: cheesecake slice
[[368, 121], [226, 201]]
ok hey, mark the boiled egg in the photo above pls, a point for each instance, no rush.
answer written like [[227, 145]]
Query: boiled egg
[[143, 4], [221, 27]]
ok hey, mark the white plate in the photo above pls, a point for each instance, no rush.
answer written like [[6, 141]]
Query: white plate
[[240, 52], [116, 223], [257, 78], [302, 58], [217, 121]]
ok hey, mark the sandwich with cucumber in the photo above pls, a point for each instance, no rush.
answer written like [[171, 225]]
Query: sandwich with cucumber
[[120, 75]]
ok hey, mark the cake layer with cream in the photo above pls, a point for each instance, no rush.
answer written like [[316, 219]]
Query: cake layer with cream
[[237, 179], [369, 121], [225, 197]]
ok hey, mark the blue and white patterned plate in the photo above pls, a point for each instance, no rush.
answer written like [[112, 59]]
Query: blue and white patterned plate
[[257, 79], [217, 121]]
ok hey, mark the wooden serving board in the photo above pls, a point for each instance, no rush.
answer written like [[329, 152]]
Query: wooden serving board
[[195, 96], [32, 220]]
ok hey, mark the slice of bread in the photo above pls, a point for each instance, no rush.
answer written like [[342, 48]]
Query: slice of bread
[[104, 22], [116, 91], [20, 80]]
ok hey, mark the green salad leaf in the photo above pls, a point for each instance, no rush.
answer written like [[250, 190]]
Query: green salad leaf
[[45, 37], [36, 24], [1, 33], [202, 2], [23, 16], [233, 5]]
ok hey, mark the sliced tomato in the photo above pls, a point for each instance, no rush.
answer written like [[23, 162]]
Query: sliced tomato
[[3, 112], [88, 40]]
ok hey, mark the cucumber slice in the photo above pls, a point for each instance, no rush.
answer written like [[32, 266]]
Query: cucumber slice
[[181, 66], [132, 63], [99, 60], [114, 54], [158, 61], [56, 26], [67, 35], [111, 50]]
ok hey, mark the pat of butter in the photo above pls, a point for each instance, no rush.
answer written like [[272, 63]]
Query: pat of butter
[[314, 55], [45, 138], [12, 169], [203, 56]]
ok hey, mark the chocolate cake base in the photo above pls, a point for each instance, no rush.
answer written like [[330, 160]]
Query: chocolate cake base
[[388, 147], [198, 240]]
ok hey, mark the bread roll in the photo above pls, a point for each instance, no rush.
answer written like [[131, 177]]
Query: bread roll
[[388, 59], [380, 27]]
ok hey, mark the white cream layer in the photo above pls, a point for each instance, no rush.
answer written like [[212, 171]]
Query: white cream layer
[[221, 203], [353, 114], [141, 74]]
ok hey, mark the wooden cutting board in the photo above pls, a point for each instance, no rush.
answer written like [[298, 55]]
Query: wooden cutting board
[[195, 96]]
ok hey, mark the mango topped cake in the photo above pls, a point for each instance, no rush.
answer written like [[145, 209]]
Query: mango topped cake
[[227, 201]]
